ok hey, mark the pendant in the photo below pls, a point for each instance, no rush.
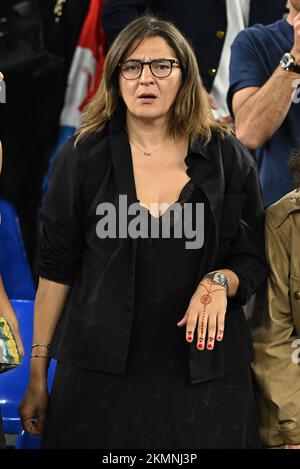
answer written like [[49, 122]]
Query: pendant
[[147, 154]]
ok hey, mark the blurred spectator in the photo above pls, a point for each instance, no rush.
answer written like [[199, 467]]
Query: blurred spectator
[[29, 120], [264, 74], [276, 325]]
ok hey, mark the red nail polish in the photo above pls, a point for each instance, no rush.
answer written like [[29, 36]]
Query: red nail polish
[[209, 346], [189, 339], [200, 346], [219, 338]]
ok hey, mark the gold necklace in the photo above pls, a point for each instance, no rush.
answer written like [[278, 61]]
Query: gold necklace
[[149, 153]]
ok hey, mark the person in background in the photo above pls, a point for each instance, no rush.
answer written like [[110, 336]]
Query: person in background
[[264, 76], [7, 312], [37, 43], [152, 343], [210, 26], [276, 324]]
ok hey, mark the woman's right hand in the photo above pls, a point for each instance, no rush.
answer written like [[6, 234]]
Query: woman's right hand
[[33, 407]]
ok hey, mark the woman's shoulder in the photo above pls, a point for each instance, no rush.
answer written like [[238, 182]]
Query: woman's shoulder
[[233, 151], [74, 150], [227, 150], [279, 213], [232, 158], [88, 143]]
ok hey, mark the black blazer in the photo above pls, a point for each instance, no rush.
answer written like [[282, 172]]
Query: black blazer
[[203, 22], [94, 331]]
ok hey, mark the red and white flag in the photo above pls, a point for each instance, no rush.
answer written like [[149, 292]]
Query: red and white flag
[[84, 77]]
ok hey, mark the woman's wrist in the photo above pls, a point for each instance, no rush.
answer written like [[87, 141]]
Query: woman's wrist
[[39, 360], [219, 279], [39, 370], [232, 279], [40, 349]]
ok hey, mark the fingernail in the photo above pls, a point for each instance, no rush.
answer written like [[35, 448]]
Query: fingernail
[[219, 337], [189, 339], [209, 346], [200, 346]]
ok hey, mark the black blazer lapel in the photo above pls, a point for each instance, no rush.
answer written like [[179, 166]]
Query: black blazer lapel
[[121, 156]]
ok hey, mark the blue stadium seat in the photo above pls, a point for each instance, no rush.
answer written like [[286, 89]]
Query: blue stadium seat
[[27, 441], [14, 382], [14, 266]]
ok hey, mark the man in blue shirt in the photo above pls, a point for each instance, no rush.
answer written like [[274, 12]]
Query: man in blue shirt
[[264, 74]]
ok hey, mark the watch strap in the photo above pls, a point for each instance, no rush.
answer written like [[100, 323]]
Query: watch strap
[[218, 278]]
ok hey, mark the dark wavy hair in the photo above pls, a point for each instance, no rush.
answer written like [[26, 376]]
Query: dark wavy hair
[[294, 164]]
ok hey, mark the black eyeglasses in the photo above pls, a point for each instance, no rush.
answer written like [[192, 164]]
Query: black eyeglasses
[[160, 68]]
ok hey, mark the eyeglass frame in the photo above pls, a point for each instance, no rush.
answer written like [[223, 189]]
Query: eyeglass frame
[[172, 62]]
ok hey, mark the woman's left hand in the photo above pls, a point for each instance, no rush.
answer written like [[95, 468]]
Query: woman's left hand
[[205, 315]]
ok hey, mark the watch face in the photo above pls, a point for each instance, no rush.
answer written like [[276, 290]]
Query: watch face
[[218, 277], [286, 61]]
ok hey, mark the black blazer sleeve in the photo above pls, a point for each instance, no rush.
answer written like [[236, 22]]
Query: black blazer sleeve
[[63, 211], [245, 252], [116, 14]]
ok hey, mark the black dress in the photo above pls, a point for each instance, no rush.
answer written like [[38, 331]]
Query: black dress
[[153, 405]]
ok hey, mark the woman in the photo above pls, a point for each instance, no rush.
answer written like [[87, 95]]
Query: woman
[[7, 312], [143, 360], [276, 324]]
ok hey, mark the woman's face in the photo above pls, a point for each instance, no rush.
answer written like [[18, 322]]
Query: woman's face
[[162, 90]]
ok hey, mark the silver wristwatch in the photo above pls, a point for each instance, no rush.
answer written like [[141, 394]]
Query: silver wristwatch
[[219, 279], [288, 63]]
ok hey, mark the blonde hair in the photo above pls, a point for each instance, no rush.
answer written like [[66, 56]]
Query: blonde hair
[[190, 113]]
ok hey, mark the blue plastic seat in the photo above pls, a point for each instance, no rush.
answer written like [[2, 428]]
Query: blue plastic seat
[[14, 266], [19, 285], [13, 383], [27, 441]]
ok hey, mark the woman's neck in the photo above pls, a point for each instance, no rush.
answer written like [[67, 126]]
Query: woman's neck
[[147, 134]]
